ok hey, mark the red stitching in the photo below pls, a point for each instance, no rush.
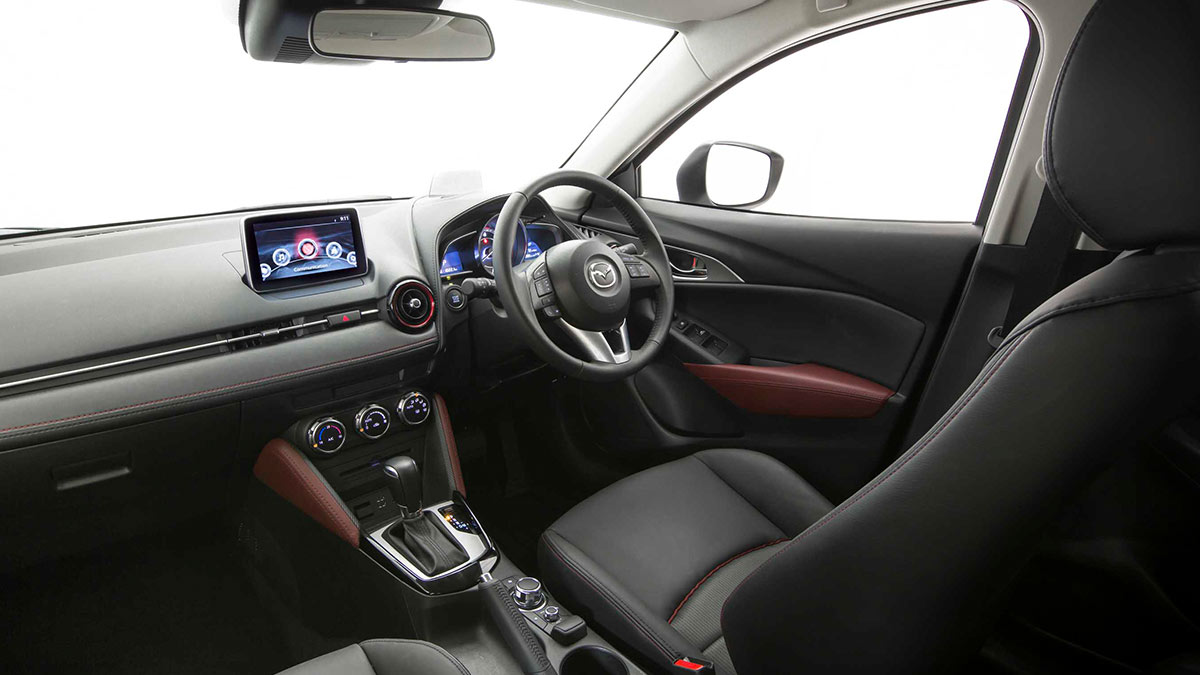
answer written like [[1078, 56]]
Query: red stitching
[[714, 571], [913, 453], [217, 389]]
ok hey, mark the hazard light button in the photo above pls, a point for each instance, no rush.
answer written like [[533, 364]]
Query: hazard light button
[[344, 318]]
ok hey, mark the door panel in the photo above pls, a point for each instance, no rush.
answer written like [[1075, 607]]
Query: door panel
[[830, 333]]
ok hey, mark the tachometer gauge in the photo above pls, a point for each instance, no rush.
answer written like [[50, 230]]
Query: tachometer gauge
[[487, 239]]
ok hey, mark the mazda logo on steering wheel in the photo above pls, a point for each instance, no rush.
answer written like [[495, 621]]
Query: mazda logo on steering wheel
[[602, 274]]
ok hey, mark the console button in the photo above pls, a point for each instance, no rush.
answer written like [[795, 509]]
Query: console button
[[372, 422], [550, 614], [341, 318], [455, 298], [326, 435], [413, 408], [527, 593]]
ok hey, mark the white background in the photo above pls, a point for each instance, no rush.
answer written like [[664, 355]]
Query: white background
[[136, 109], [150, 108], [897, 121]]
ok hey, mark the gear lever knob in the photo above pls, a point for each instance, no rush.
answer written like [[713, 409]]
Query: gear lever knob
[[404, 482]]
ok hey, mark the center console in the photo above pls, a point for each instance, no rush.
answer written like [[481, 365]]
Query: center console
[[384, 476]]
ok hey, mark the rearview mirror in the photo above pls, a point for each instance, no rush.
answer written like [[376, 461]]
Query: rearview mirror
[[401, 35], [730, 174]]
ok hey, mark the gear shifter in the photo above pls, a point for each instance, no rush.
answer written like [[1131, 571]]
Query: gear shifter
[[404, 482], [418, 536]]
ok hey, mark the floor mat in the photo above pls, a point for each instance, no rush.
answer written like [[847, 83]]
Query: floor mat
[[172, 603]]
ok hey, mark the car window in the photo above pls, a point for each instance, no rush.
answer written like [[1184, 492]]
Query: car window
[[896, 121]]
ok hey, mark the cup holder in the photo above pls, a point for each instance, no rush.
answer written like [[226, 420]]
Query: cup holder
[[592, 661]]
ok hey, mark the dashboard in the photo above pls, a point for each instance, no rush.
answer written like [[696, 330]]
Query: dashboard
[[473, 252], [131, 323]]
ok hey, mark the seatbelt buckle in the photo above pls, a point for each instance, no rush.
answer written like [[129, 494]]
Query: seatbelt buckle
[[690, 665]]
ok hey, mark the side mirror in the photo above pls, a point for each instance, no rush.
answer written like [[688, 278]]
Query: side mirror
[[727, 173]]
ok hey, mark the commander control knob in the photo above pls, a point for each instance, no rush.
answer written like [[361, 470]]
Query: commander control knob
[[414, 408], [372, 422], [326, 435], [527, 593]]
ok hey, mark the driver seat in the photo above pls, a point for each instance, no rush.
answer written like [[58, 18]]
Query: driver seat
[[729, 556]]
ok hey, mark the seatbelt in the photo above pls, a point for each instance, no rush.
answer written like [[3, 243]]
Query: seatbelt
[[1051, 239]]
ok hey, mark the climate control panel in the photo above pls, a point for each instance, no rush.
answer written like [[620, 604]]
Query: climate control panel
[[327, 434]]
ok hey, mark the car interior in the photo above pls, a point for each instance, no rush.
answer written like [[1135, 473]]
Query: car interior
[[660, 407]]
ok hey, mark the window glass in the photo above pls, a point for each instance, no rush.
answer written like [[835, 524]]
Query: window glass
[[898, 121]]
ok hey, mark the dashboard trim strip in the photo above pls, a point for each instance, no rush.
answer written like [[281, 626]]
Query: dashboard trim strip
[[132, 408], [170, 352]]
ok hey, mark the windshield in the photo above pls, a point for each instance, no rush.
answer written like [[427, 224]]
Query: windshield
[[143, 109]]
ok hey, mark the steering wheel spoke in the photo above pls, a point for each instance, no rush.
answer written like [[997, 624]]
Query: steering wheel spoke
[[536, 278], [642, 273], [609, 346]]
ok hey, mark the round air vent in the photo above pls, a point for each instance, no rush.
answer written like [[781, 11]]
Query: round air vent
[[411, 305]]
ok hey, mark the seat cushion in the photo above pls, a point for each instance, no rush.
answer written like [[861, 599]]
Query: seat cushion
[[651, 558], [383, 657]]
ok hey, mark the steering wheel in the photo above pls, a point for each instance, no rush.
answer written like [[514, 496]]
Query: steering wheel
[[584, 286]]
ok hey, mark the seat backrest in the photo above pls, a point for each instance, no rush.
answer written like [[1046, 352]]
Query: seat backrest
[[907, 574]]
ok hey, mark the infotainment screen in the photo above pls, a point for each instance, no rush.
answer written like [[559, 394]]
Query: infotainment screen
[[297, 249]]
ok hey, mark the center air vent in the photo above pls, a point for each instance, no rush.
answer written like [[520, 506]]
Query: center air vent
[[411, 306]]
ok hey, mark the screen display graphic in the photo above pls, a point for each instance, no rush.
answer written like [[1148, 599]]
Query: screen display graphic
[[299, 249]]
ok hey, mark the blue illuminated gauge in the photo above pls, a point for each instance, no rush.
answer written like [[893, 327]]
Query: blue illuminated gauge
[[486, 241], [326, 435], [413, 408], [372, 422]]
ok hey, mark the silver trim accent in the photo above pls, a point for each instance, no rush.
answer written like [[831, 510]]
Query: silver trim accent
[[312, 434], [405, 399], [362, 414], [477, 546], [597, 346], [172, 352]]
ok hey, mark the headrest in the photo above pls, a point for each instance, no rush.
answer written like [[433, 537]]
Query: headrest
[[1122, 145]]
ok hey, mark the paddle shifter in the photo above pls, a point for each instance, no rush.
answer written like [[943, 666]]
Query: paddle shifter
[[419, 535], [404, 483]]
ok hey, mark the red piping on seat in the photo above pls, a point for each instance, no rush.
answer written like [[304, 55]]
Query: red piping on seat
[[714, 571]]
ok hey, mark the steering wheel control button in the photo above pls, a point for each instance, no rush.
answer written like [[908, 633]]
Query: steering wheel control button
[[456, 300], [343, 318], [552, 311], [326, 436], [541, 272], [372, 422], [543, 287], [527, 593], [413, 408], [638, 270]]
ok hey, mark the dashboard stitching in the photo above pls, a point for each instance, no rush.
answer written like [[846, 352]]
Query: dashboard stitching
[[179, 398]]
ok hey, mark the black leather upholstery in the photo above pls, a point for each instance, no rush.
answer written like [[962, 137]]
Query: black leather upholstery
[[1122, 135], [628, 556], [383, 657], [905, 575]]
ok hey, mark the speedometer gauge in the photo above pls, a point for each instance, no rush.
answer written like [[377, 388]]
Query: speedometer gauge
[[487, 240]]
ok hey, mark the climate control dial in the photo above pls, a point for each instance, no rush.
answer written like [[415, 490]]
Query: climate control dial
[[326, 435], [372, 422], [414, 408]]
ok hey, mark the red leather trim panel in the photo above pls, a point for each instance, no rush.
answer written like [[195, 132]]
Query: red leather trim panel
[[451, 446], [283, 469], [805, 390]]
